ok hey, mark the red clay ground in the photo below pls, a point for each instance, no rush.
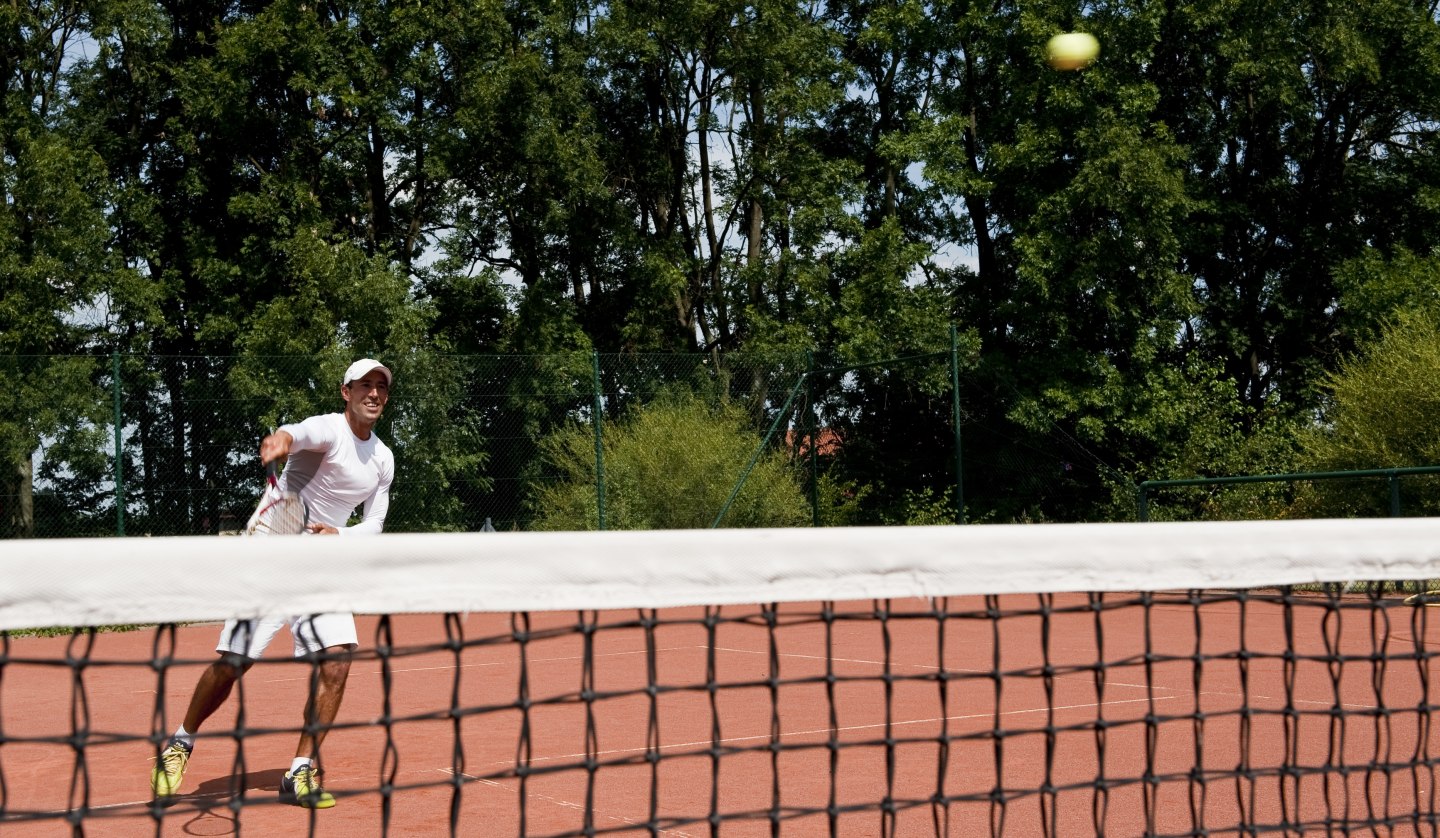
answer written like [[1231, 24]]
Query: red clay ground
[[1195, 726]]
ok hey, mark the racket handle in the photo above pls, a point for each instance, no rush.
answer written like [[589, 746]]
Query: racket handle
[[272, 471]]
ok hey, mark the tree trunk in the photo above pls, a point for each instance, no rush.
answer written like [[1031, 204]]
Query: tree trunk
[[22, 517]]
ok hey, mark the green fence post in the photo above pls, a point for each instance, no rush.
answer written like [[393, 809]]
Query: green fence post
[[1392, 475], [814, 440], [760, 449], [1142, 507], [955, 415], [599, 440], [119, 446]]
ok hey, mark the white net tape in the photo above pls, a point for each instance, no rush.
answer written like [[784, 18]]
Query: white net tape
[[74, 582]]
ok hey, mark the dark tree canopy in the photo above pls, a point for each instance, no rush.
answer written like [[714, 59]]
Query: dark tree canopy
[[1152, 265]]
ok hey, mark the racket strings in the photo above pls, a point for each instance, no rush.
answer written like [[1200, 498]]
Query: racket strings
[[282, 514]]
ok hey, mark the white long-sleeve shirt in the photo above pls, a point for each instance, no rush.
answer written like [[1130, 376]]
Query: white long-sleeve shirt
[[335, 471]]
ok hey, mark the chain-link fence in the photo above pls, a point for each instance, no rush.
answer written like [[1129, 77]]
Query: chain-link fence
[[164, 445], [1360, 493]]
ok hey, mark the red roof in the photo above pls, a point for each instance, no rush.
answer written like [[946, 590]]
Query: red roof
[[829, 441]]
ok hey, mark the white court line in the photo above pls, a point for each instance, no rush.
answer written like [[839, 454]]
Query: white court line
[[568, 804], [735, 739], [811, 732], [931, 666], [449, 667], [1086, 678], [1178, 692], [893, 664]]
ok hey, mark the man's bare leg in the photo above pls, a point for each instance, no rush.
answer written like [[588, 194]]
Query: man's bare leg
[[301, 784], [214, 688], [211, 690], [324, 702]]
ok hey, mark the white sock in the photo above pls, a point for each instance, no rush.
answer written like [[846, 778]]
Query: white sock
[[299, 763], [185, 736]]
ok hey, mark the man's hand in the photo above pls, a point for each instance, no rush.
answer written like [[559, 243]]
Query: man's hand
[[322, 529], [276, 446]]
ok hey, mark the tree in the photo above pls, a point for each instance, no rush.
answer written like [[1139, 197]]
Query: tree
[[1070, 194], [55, 258], [1235, 192], [275, 187], [1309, 134]]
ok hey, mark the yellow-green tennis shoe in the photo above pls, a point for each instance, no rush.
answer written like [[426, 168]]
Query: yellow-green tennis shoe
[[1430, 598], [170, 769], [302, 788]]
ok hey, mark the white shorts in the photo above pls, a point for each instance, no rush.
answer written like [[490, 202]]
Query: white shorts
[[311, 633]]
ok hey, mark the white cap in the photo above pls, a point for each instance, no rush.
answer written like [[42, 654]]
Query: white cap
[[362, 366]]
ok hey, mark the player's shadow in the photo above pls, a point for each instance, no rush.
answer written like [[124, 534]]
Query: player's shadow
[[254, 783], [214, 800]]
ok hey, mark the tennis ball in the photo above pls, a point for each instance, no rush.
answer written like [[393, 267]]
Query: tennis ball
[[1072, 50]]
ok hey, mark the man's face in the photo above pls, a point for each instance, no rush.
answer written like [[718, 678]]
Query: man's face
[[365, 397]]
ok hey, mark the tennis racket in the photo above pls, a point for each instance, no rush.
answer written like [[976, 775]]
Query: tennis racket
[[278, 513]]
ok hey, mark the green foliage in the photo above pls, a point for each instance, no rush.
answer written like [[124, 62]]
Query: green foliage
[[1384, 406], [53, 399], [1151, 264], [1383, 411], [1375, 287], [58, 268], [670, 464], [434, 420], [926, 507], [840, 502]]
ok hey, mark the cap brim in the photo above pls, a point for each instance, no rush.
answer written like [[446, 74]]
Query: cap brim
[[389, 376]]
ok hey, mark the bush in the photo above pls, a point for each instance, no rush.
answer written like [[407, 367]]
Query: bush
[[670, 464], [1383, 411]]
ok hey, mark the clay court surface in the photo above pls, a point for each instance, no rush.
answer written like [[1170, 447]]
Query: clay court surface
[[1213, 766]]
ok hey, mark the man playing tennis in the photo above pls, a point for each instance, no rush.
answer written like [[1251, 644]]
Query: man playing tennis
[[335, 462]]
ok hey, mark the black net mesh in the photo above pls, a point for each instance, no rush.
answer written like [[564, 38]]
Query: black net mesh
[[1273, 711]]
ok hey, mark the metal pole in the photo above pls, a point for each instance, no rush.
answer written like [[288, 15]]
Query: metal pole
[[955, 417], [779, 417], [119, 446], [599, 440], [814, 440], [1394, 479]]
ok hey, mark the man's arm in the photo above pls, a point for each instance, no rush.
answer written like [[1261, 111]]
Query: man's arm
[[312, 434], [375, 507], [373, 518]]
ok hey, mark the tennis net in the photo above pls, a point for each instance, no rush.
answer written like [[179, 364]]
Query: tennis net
[[1117, 679]]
